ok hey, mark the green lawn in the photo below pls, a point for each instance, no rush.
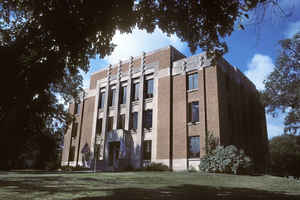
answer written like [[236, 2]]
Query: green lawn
[[144, 185]]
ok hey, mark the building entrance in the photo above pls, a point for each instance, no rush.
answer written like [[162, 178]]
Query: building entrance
[[114, 149]]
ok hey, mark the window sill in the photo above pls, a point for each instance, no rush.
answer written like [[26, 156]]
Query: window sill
[[136, 102], [193, 123], [194, 159], [147, 130], [148, 100], [133, 131], [192, 90]]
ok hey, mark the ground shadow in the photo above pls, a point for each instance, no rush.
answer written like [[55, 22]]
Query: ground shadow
[[192, 192], [122, 190]]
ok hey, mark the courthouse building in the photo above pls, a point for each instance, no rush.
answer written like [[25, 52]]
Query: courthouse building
[[160, 107]]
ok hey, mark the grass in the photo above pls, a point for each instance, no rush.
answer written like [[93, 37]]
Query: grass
[[145, 185]]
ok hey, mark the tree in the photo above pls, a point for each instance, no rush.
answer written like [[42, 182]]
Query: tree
[[46, 43], [282, 91], [285, 155]]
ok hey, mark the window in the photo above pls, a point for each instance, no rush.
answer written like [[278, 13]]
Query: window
[[122, 121], [74, 129], [76, 108], [72, 153], [101, 100], [112, 97], [135, 91], [194, 147], [147, 146], [123, 94], [99, 127], [149, 88], [134, 120], [110, 123], [148, 119], [193, 81], [194, 111]]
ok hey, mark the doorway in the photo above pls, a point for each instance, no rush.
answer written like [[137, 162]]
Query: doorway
[[114, 149]]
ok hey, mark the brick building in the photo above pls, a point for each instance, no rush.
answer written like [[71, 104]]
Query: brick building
[[160, 107]]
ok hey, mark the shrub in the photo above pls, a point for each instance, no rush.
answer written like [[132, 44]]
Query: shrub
[[156, 167], [285, 155], [226, 160], [74, 168]]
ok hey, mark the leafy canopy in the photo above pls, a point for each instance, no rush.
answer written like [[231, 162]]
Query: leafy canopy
[[45, 44], [283, 84]]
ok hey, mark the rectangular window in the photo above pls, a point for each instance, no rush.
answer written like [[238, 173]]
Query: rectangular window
[[99, 127], [76, 108], [72, 153], [123, 94], [194, 147], [194, 111], [149, 88], [134, 120], [147, 147], [122, 121], [192, 81], [110, 123], [101, 100], [74, 129], [148, 119], [135, 91], [112, 101]]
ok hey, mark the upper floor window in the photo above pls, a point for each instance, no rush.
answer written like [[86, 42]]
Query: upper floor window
[[77, 108], [122, 121], [123, 94], [148, 119], [192, 81], [147, 146], [110, 123], [99, 127], [149, 88], [74, 129], [194, 147], [101, 99], [112, 99], [135, 91], [72, 153], [194, 111], [134, 120]]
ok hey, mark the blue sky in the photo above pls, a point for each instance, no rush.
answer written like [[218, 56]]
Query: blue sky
[[252, 50]]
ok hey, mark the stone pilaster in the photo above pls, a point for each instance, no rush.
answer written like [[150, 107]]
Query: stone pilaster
[[117, 98], [139, 141], [105, 113]]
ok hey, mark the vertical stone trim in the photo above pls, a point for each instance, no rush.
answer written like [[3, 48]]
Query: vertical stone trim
[[128, 98], [105, 113], [139, 141], [95, 117], [117, 98]]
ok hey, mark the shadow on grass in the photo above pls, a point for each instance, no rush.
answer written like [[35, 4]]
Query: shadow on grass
[[192, 192], [122, 191]]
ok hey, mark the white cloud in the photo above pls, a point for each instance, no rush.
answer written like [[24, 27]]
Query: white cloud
[[259, 68], [292, 29], [275, 126], [135, 43]]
